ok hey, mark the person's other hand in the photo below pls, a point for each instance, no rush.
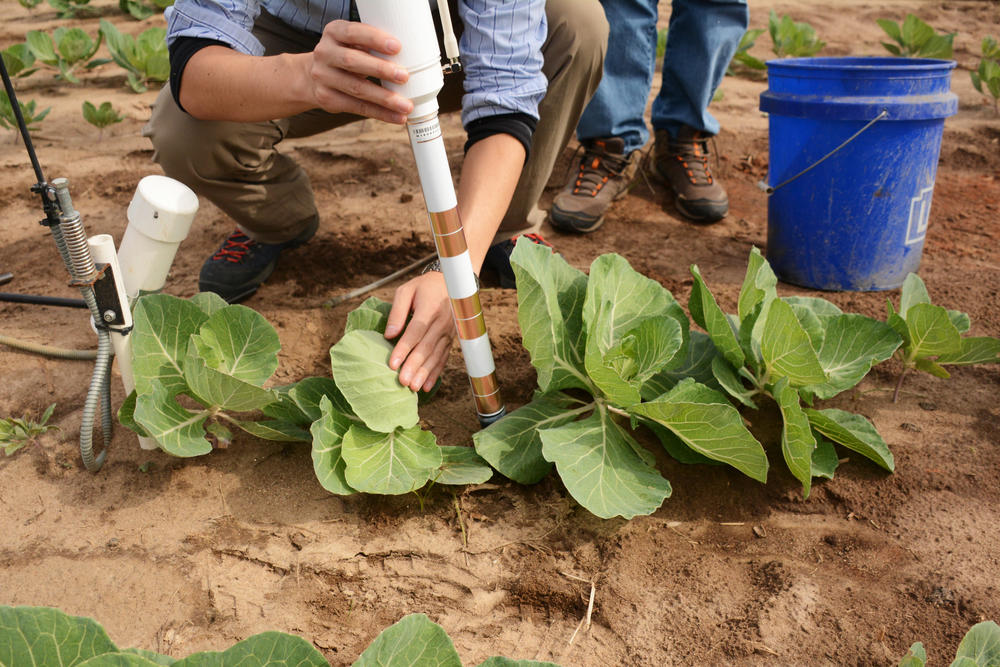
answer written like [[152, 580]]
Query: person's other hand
[[341, 65], [421, 352]]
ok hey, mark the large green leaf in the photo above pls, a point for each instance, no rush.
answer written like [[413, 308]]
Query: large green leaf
[[43, 636], [275, 430], [706, 312], [550, 298], [309, 392], [217, 389], [599, 464], [707, 423], [914, 291], [787, 349], [126, 415], [389, 463], [267, 649], [852, 344], [981, 645], [824, 458], [693, 361], [461, 465], [163, 326], [624, 347], [931, 332], [759, 284], [239, 342], [500, 661], [916, 656], [677, 447], [415, 640], [974, 350], [731, 383], [817, 305], [155, 658], [360, 363], [209, 302], [175, 430], [120, 659], [372, 315], [797, 440], [328, 433], [854, 432], [513, 445]]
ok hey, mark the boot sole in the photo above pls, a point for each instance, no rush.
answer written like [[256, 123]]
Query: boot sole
[[705, 218], [574, 223]]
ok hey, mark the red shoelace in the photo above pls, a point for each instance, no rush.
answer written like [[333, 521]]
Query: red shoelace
[[235, 248]]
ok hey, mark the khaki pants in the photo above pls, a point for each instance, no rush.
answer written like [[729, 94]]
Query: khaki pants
[[236, 165]]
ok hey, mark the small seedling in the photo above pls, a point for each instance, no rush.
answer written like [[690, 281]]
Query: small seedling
[[29, 4], [16, 433], [932, 335], [18, 59], [101, 117], [986, 77], [990, 48], [742, 55], [32, 118], [916, 39], [144, 58], [791, 38], [65, 50], [979, 648], [68, 8], [661, 44]]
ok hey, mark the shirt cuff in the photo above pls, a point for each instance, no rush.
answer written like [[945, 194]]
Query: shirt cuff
[[181, 51], [521, 126]]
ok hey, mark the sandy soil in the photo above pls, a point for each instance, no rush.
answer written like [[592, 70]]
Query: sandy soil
[[184, 555]]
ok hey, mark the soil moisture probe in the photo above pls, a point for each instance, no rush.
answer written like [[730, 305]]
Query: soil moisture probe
[[160, 217], [411, 22]]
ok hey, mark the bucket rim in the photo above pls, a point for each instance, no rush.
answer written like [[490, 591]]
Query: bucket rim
[[863, 63]]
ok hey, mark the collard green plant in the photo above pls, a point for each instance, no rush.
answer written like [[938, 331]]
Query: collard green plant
[[623, 342], [18, 59], [363, 424], [29, 112], [742, 55], [144, 58], [29, 4], [916, 39], [990, 48], [16, 433], [68, 8], [49, 637], [933, 336], [609, 351], [791, 38], [102, 116], [986, 80], [66, 50], [979, 648]]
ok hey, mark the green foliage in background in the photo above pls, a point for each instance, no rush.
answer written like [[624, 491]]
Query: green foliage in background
[[933, 336], [979, 648], [792, 39], [144, 58], [140, 10], [102, 116], [916, 39], [68, 8], [32, 117], [66, 50], [18, 59], [16, 433], [986, 77], [742, 55]]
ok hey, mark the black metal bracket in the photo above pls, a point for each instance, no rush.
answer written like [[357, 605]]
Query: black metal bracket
[[106, 294]]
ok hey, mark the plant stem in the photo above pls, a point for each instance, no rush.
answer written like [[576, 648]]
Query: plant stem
[[899, 384]]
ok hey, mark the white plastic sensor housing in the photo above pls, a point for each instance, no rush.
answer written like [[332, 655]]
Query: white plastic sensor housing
[[410, 22], [159, 218]]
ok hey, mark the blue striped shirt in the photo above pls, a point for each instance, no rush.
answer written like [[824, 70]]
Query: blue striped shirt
[[501, 44]]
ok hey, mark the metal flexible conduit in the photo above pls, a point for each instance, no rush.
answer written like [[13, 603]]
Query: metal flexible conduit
[[72, 242], [48, 350]]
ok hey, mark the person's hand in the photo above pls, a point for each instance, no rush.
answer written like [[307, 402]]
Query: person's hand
[[341, 65], [421, 352]]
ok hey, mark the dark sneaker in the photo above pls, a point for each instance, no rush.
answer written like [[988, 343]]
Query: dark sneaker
[[241, 265], [604, 175], [498, 258], [682, 162]]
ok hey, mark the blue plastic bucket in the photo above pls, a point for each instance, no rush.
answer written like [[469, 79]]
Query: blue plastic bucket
[[854, 219]]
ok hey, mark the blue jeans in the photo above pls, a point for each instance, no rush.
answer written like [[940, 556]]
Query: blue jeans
[[703, 36]]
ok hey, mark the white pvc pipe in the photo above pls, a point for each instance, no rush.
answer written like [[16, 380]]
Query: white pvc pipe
[[159, 218]]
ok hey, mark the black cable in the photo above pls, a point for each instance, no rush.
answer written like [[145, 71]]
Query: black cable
[[22, 126], [39, 300]]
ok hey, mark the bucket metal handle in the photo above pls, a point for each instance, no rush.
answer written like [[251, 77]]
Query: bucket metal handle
[[771, 190]]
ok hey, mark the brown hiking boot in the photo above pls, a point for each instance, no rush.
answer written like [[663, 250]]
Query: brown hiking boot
[[604, 174], [683, 163]]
